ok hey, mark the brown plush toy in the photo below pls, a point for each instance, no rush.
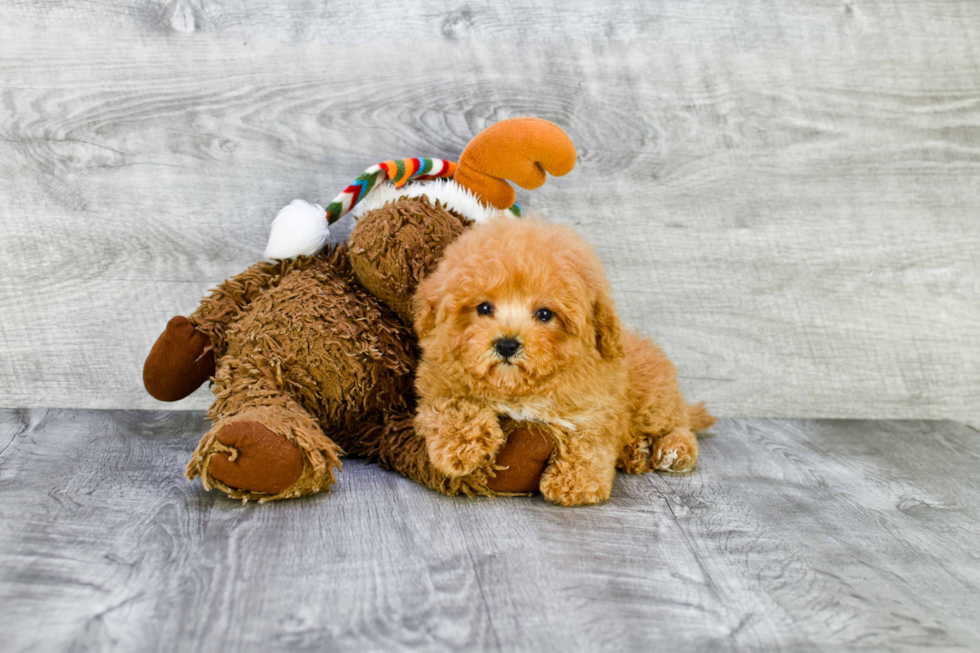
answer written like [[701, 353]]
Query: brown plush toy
[[312, 356]]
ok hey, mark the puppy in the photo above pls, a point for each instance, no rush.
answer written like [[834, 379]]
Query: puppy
[[517, 321]]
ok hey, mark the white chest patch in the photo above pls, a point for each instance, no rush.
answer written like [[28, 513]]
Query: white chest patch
[[530, 414]]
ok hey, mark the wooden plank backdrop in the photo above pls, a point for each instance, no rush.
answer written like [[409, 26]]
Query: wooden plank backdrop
[[787, 194]]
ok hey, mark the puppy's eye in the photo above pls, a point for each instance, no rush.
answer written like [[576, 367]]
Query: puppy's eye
[[486, 308], [543, 314]]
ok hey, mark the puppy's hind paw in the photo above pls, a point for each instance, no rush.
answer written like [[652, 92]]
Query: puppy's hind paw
[[676, 452], [667, 459], [569, 486]]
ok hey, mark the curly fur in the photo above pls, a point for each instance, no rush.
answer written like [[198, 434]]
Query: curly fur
[[608, 396]]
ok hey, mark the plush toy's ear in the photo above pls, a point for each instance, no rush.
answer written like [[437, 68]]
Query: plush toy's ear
[[608, 331], [518, 149]]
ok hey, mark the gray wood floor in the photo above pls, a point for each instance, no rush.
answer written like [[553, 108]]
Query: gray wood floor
[[786, 194], [791, 535]]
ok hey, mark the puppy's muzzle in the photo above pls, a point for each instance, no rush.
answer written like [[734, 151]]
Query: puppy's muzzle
[[506, 347]]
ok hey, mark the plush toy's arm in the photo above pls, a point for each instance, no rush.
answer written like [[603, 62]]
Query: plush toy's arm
[[521, 460], [516, 469], [181, 360], [184, 355], [229, 299]]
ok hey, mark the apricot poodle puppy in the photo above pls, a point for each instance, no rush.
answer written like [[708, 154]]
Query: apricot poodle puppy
[[517, 322]]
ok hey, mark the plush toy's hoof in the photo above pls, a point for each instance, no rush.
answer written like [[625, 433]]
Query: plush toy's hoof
[[525, 455], [261, 461], [180, 361]]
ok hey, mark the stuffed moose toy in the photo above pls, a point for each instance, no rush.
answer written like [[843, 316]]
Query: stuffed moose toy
[[312, 355]]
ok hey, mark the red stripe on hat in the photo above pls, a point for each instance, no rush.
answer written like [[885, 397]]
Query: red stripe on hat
[[355, 191]]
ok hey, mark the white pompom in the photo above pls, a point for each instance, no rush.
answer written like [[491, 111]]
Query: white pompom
[[299, 229]]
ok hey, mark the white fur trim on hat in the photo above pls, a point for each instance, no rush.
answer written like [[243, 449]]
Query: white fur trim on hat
[[446, 191]]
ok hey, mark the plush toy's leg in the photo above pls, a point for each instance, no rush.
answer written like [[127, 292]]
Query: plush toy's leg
[[256, 458], [263, 444], [516, 470], [266, 453]]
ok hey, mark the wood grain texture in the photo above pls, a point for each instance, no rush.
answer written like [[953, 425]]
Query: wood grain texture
[[786, 194], [790, 535]]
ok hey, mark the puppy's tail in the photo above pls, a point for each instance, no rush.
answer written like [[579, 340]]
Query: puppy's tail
[[701, 419]]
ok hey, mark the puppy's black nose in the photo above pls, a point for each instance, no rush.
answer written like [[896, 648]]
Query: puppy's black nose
[[507, 347]]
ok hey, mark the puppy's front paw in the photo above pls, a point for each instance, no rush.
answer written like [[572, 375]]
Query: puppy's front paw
[[676, 452], [459, 453], [569, 485], [456, 459]]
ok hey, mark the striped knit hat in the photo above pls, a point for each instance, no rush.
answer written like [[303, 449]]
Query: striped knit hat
[[519, 149]]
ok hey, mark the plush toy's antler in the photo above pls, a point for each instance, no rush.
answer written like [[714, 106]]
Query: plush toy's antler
[[518, 149]]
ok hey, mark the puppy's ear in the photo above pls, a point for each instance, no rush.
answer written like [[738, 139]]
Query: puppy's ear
[[608, 331], [425, 303]]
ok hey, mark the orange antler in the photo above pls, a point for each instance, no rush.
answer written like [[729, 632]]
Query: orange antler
[[518, 149]]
